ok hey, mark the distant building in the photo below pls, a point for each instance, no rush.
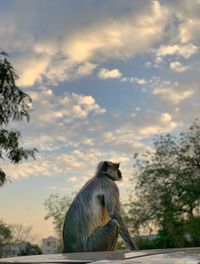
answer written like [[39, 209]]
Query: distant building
[[49, 245]]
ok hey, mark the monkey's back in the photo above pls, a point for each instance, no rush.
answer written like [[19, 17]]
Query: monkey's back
[[86, 214]]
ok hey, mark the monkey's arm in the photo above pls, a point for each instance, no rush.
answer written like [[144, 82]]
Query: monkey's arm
[[113, 207], [123, 231]]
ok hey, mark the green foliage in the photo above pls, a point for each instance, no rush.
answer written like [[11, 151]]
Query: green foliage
[[57, 207], [20, 233], [120, 244], [14, 106], [16, 236], [30, 249], [143, 244], [193, 229], [5, 235], [167, 189]]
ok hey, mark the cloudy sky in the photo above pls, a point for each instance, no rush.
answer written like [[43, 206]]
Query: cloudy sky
[[105, 77]]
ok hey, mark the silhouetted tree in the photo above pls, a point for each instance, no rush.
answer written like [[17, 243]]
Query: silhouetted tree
[[14, 106], [57, 207], [168, 188], [20, 233], [5, 235], [30, 249]]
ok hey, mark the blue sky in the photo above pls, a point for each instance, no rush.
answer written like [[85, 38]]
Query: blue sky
[[105, 78]]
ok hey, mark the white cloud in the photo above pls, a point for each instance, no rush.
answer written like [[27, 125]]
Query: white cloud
[[185, 51], [189, 30], [131, 137], [148, 64], [178, 66], [109, 74], [137, 80], [165, 117], [183, 34], [39, 167], [87, 104], [76, 165], [88, 142], [164, 124], [54, 69], [117, 144], [85, 69], [76, 162], [157, 129], [120, 38], [126, 135], [69, 106], [31, 70], [74, 56], [76, 53], [174, 93], [67, 54], [46, 47], [73, 179]]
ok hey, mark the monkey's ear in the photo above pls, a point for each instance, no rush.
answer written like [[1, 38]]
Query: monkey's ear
[[104, 166]]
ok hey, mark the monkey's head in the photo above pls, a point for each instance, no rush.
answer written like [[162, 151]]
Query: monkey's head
[[110, 169]]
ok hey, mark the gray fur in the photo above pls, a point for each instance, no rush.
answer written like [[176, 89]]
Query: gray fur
[[93, 220]]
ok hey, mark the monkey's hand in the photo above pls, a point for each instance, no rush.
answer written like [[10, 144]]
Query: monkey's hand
[[115, 222]]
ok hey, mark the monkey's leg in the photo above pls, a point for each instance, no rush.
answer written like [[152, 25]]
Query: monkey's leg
[[104, 239]]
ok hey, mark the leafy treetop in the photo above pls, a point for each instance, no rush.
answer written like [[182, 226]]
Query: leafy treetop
[[15, 105]]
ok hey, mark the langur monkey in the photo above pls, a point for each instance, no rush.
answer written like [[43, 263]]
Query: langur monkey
[[93, 220]]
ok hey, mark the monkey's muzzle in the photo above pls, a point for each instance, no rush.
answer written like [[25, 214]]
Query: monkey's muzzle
[[119, 174]]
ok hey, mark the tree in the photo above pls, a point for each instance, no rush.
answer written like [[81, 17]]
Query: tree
[[57, 207], [30, 249], [5, 235], [20, 233], [15, 237], [14, 106], [167, 188]]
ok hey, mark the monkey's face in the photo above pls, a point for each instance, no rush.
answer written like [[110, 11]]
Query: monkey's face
[[112, 170]]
